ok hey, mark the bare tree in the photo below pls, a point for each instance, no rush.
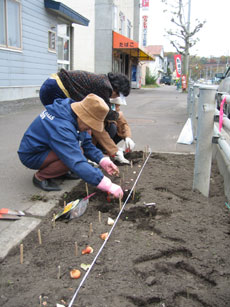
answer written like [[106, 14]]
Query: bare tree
[[182, 38]]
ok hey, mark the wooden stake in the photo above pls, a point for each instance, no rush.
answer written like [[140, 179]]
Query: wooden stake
[[146, 151], [39, 237], [99, 216], [21, 253], [59, 272], [131, 163], [143, 156], [76, 249], [120, 203], [134, 191], [90, 229], [87, 189], [54, 222], [40, 300]]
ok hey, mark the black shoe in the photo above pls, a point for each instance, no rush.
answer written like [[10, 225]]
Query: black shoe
[[69, 176], [46, 185]]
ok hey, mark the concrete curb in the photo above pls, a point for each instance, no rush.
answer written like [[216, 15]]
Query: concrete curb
[[15, 233]]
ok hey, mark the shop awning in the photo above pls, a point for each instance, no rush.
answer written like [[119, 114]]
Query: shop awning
[[130, 47], [66, 12]]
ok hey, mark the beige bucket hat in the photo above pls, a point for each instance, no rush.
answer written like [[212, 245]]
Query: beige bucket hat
[[92, 110]]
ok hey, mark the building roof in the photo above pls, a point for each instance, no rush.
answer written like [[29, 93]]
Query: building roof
[[62, 10], [155, 49]]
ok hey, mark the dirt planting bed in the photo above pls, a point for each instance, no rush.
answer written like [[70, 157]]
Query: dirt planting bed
[[171, 253]]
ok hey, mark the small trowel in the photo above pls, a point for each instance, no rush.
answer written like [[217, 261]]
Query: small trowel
[[9, 214]]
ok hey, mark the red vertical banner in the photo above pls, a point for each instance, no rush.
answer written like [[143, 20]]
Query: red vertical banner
[[177, 59], [145, 4], [184, 82]]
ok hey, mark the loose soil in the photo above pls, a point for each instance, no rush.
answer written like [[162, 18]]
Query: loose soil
[[173, 253]]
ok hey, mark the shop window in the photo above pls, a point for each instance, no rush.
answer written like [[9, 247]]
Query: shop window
[[115, 18], [63, 33], [10, 24], [116, 65], [122, 23], [52, 41], [129, 26]]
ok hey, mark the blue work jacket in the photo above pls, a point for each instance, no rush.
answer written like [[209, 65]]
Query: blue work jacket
[[56, 129]]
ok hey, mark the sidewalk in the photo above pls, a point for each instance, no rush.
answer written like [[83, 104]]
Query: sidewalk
[[156, 118]]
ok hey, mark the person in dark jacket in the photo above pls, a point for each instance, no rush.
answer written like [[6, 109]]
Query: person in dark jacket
[[77, 84], [54, 142]]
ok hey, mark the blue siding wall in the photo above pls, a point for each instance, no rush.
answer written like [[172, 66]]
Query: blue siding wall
[[34, 63]]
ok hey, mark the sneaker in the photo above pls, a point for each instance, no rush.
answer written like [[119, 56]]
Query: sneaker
[[46, 185]]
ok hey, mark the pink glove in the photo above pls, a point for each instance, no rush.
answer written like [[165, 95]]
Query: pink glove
[[109, 166], [107, 186]]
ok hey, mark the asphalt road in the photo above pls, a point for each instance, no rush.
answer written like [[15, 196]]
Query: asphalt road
[[156, 117]]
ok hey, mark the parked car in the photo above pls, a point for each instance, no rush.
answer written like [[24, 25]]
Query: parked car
[[224, 88], [166, 80], [218, 77]]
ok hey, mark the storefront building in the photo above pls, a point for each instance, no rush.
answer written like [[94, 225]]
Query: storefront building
[[36, 39], [127, 57], [111, 41]]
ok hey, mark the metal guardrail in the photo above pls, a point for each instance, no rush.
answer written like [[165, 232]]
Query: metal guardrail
[[222, 142], [201, 106]]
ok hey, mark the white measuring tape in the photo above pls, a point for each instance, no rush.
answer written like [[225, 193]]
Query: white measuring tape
[[102, 246]]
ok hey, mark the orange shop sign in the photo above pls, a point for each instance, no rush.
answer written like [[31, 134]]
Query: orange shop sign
[[121, 41]]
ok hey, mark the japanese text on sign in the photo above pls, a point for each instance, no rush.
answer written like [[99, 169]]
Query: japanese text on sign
[[126, 45], [145, 4], [145, 19]]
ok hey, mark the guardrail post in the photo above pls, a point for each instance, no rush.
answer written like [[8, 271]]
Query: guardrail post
[[190, 99], [195, 110], [203, 157]]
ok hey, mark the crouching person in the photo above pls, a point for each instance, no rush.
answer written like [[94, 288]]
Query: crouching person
[[57, 142], [117, 130]]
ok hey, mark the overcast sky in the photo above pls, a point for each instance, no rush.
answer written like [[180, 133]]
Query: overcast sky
[[214, 36]]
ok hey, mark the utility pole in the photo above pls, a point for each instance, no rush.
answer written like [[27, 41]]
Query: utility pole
[[187, 42]]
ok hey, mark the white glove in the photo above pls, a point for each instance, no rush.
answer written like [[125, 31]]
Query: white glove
[[120, 157], [129, 144]]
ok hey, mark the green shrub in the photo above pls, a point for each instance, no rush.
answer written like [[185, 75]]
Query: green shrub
[[150, 79]]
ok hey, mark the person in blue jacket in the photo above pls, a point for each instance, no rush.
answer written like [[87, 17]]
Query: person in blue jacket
[[77, 84], [57, 142]]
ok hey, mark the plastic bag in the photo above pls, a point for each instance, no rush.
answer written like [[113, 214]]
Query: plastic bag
[[74, 209], [186, 135]]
